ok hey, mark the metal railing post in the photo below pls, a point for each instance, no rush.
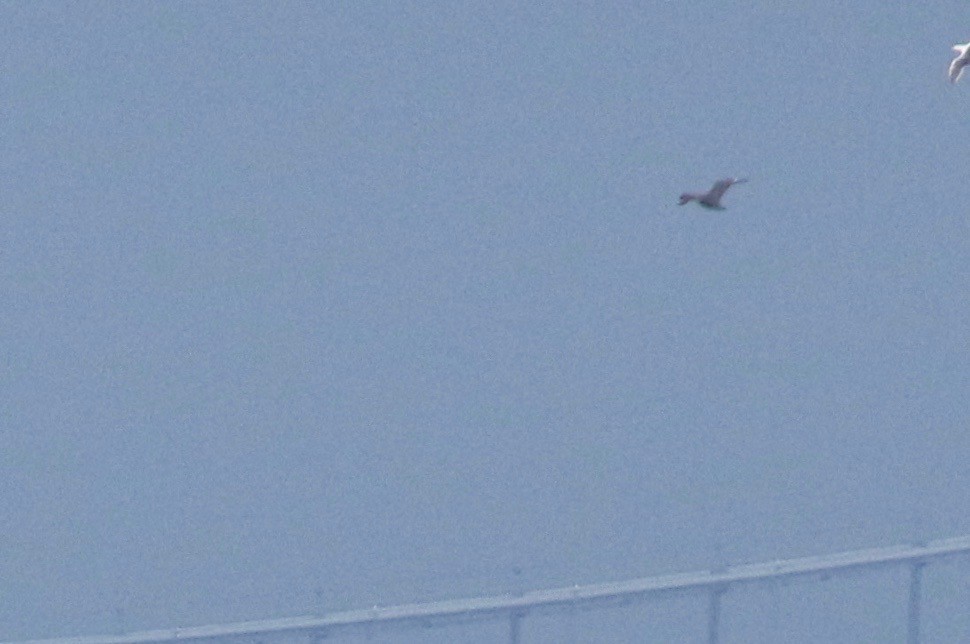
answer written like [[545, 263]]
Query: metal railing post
[[913, 619], [515, 628], [714, 614]]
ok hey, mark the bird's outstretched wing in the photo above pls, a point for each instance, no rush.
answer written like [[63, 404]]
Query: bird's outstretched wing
[[956, 68], [720, 187]]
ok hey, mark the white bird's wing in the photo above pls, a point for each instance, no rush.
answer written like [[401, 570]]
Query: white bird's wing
[[956, 68], [720, 187]]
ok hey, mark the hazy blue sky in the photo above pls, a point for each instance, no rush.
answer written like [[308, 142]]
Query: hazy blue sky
[[316, 306]]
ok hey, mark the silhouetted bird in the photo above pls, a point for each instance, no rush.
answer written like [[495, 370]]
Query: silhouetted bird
[[712, 198]]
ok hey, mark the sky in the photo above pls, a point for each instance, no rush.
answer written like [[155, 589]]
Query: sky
[[318, 306]]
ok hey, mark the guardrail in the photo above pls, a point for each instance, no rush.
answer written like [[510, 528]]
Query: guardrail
[[518, 607]]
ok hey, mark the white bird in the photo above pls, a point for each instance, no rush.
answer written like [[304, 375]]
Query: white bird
[[712, 198], [961, 61]]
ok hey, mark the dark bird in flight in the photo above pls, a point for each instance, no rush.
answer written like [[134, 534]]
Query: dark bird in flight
[[712, 198]]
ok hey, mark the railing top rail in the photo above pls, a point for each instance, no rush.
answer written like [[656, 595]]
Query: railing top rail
[[484, 608]]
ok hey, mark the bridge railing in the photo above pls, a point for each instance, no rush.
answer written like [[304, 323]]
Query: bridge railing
[[514, 609]]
